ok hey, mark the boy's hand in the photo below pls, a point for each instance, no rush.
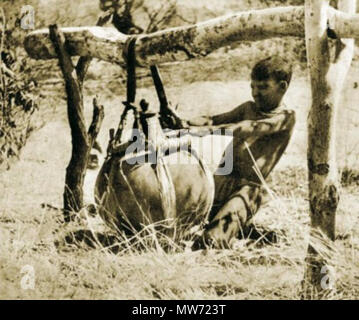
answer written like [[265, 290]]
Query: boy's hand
[[170, 119], [200, 121]]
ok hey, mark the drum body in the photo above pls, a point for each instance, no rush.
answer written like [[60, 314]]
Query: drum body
[[131, 195]]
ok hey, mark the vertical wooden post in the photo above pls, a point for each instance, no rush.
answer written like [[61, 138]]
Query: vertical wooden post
[[82, 140], [328, 72], [75, 171]]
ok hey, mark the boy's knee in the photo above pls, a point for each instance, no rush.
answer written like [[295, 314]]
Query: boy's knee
[[222, 230], [227, 224], [231, 219]]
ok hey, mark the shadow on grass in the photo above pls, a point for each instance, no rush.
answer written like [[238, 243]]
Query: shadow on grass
[[92, 240], [117, 243]]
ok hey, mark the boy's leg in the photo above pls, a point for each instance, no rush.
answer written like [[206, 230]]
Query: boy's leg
[[240, 206], [231, 219]]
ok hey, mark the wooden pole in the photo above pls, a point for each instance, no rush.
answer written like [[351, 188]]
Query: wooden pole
[[345, 24], [75, 171], [183, 43], [82, 140], [327, 78]]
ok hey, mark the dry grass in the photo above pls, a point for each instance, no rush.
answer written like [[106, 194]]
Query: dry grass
[[83, 269]]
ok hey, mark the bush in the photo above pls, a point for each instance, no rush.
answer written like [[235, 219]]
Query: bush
[[17, 101]]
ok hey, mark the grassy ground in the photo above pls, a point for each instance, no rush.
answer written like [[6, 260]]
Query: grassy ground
[[32, 235]]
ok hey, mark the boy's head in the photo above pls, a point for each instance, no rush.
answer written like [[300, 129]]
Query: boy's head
[[270, 79]]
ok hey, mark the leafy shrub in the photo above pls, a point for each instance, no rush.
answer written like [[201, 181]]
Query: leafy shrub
[[17, 101]]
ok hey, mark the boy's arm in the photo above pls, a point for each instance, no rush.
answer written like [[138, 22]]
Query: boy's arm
[[251, 129], [232, 116], [283, 121]]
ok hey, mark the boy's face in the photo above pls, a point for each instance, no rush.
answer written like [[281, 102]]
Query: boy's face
[[268, 94]]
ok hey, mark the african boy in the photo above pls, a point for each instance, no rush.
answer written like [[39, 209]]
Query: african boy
[[261, 129]]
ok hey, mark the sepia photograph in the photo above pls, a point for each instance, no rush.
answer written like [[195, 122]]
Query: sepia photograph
[[192, 152]]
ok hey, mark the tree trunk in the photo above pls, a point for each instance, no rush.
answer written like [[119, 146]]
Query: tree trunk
[[327, 79]]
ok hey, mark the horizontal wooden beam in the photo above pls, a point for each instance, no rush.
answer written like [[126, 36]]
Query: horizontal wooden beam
[[99, 42], [344, 24], [175, 44], [183, 43], [203, 38]]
